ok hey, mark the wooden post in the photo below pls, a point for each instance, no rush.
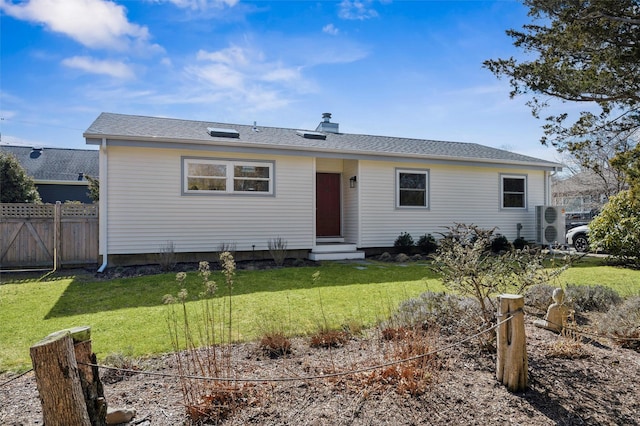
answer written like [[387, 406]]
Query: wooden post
[[512, 364], [57, 233], [70, 394]]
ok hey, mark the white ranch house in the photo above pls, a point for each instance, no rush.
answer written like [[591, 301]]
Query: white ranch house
[[327, 194]]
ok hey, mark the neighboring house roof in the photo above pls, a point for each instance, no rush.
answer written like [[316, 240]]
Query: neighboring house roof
[[55, 164], [139, 130]]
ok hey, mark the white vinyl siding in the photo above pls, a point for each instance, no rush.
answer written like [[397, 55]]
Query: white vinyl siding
[[350, 208], [458, 194], [147, 207]]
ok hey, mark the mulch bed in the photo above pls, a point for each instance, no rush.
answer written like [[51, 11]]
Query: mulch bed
[[572, 381]]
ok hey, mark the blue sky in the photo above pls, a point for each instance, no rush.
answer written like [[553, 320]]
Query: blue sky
[[398, 68]]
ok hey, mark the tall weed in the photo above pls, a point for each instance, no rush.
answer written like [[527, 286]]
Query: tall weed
[[201, 349]]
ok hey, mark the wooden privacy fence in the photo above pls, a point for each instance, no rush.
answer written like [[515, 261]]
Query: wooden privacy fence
[[48, 235]]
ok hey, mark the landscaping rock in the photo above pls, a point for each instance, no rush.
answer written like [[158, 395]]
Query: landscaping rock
[[117, 416]]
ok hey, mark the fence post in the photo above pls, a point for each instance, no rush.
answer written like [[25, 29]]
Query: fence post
[[511, 364], [57, 234], [69, 393]]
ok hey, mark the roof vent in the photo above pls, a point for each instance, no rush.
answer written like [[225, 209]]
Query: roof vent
[[326, 125], [311, 135], [36, 152], [223, 133]]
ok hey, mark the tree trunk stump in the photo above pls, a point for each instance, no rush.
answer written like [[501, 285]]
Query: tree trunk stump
[[70, 394], [511, 364]]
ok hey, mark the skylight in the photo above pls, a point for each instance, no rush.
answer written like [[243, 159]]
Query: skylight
[[311, 135], [223, 133]]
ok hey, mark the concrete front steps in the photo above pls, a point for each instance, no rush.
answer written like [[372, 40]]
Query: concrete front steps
[[334, 249]]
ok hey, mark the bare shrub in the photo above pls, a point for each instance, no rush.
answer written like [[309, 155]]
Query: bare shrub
[[469, 268], [416, 369], [167, 257], [278, 249], [449, 313], [566, 348], [275, 344], [203, 349], [326, 338]]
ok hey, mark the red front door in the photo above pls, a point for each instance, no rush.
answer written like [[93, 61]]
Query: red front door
[[327, 204]]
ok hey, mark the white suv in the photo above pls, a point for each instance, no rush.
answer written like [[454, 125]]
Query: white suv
[[578, 237]]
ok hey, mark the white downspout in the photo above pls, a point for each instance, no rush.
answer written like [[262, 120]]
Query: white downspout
[[102, 203], [548, 196]]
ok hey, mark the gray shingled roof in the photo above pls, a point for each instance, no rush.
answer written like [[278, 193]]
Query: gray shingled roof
[[57, 164], [139, 128]]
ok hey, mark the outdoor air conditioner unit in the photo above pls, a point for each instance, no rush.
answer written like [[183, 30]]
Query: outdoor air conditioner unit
[[550, 227]]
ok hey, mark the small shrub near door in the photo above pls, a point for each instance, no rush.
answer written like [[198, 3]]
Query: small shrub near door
[[427, 244], [404, 243], [278, 249], [500, 243], [520, 243], [167, 257]]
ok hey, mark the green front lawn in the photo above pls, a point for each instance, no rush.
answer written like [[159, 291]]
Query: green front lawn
[[127, 315]]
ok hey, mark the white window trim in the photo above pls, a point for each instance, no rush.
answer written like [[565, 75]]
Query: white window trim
[[230, 178], [526, 190], [427, 196]]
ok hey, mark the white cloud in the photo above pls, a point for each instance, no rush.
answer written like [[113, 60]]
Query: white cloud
[[330, 29], [246, 76], [237, 67], [95, 66], [200, 4], [93, 23], [234, 56], [219, 75], [357, 10], [282, 74]]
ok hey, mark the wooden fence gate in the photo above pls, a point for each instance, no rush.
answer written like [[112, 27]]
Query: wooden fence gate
[[48, 235]]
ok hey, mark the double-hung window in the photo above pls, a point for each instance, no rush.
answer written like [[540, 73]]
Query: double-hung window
[[513, 192], [208, 176], [412, 188]]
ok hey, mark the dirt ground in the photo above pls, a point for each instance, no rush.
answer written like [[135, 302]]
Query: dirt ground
[[571, 382]]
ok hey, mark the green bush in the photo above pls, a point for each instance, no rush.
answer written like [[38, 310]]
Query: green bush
[[623, 322], [520, 243], [591, 297], [404, 242], [616, 230], [427, 244], [500, 243]]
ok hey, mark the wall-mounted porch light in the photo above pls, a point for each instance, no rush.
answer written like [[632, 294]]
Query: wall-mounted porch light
[[352, 182]]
